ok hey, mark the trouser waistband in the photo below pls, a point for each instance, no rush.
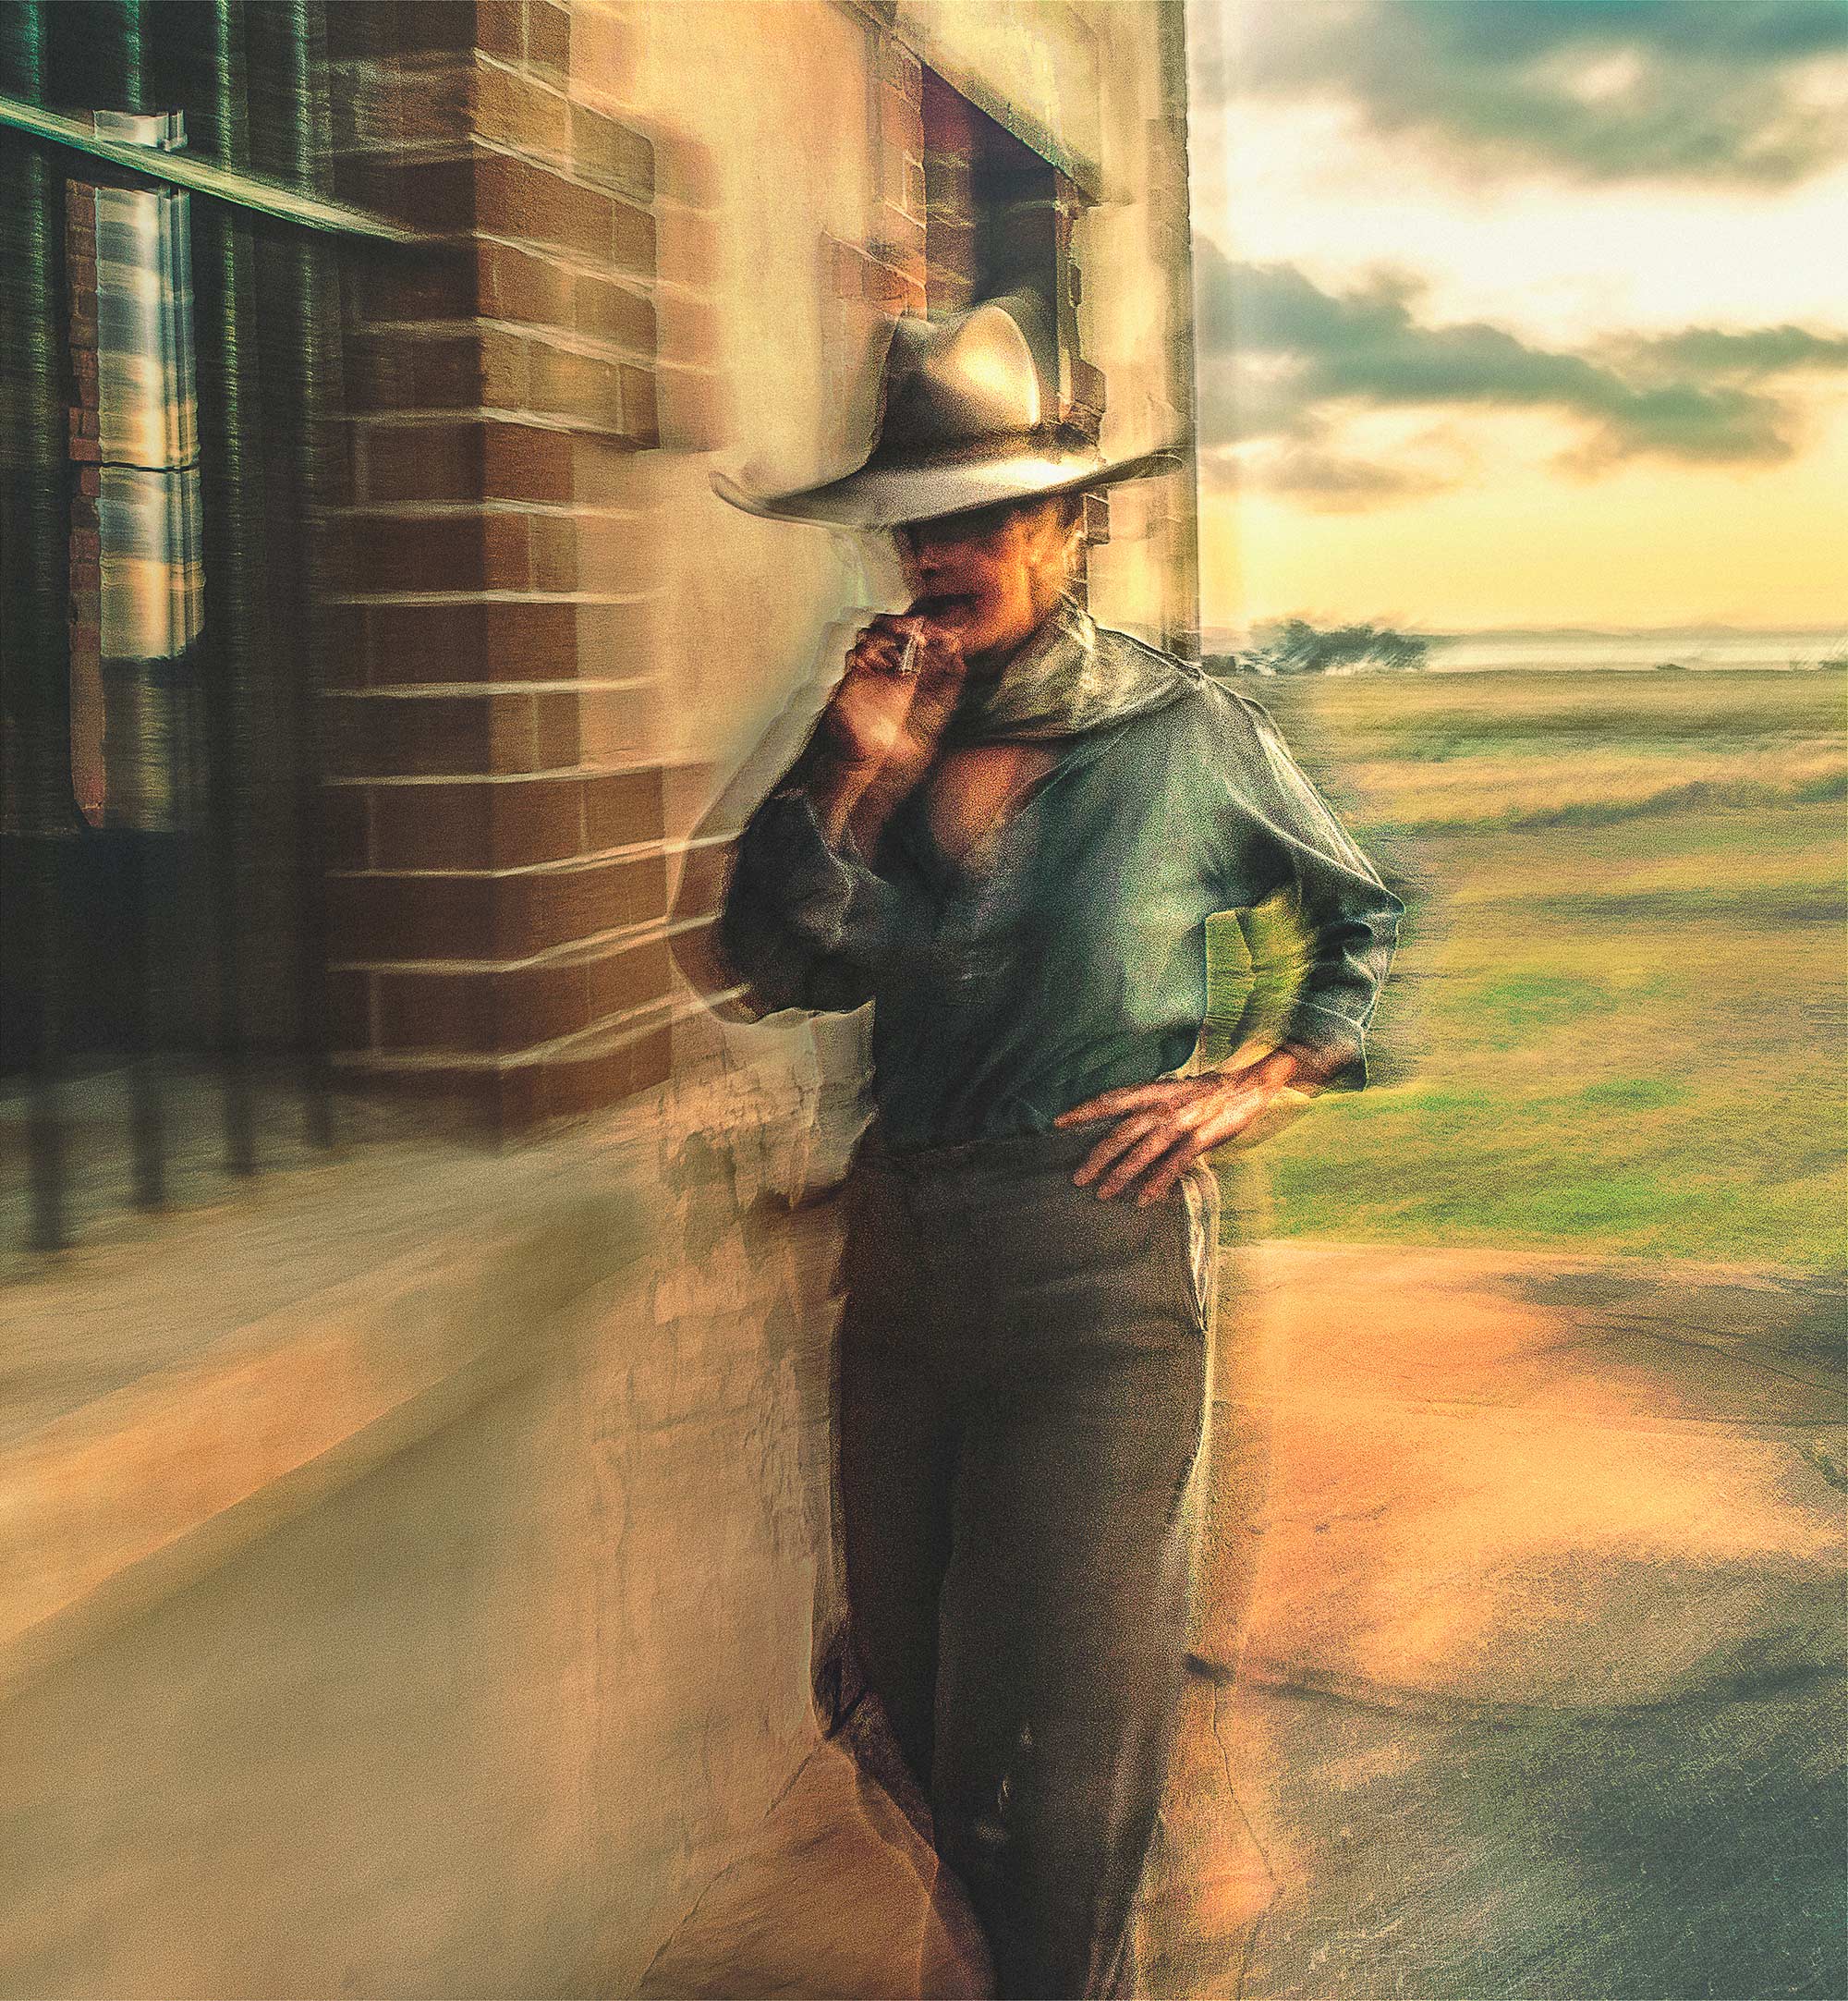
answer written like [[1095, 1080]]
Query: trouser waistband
[[1006, 1153]]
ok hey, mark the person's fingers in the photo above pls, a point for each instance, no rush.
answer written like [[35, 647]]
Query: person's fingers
[[1108, 1103], [1150, 1148], [1173, 1165], [875, 651], [1233, 1116], [1195, 1131], [1109, 1147]]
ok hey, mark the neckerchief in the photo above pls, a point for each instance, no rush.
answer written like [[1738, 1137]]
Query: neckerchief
[[1066, 679]]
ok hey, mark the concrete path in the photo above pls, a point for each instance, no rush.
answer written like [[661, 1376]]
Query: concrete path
[[1542, 1695]]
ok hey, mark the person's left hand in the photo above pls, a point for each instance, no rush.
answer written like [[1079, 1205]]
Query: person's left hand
[[1162, 1128]]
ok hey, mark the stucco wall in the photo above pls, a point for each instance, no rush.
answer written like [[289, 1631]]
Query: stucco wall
[[446, 1629]]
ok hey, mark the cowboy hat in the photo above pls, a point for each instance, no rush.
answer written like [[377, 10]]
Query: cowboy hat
[[960, 425]]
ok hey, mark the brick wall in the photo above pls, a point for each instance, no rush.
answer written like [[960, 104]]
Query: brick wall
[[888, 271], [497, 886]]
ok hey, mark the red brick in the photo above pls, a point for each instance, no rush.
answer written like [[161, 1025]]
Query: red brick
[[433, 27], [641, 416], [518, 198], [447, 553], [426, 643], [514, 111], [901, 239], [517, 285], [500, 1012], [621, 809], [505, 372], [548, 39], [432, 826], [570, 1086], [580, 388], [702, 887], [429, 736], [451, 1010], [410, 917], [500, 29], [554, 906], [441, 196], [539, 1004], [610, 312], [605, 149], [489, 823], [632, 239], [383, 369], [899, 68], [882, 284], [632, 978], [532, 642], [507, 554], [556, 731], [524, 462], [344, 841], [901, 123], [552, 543], [420, 462]]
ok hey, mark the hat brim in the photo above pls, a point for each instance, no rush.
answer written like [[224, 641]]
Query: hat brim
[[878, 496]]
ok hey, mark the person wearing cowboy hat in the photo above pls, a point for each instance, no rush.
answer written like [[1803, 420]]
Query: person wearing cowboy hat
[[1007, 830]]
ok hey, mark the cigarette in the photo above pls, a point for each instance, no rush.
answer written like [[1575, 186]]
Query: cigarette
[[907, 659]]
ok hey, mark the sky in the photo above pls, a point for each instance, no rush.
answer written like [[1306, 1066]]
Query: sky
[[1523, 313]]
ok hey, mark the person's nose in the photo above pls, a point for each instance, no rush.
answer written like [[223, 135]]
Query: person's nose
[[926, 558]]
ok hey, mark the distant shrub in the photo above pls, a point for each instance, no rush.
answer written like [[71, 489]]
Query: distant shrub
[[1295, 646]]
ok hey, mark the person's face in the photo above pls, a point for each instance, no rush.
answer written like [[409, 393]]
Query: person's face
[[990, 576]]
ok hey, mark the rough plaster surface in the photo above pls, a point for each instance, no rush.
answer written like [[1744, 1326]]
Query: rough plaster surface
[[484, 1707]]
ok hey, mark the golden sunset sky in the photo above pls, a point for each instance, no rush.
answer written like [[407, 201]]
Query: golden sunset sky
[[1523, 313]]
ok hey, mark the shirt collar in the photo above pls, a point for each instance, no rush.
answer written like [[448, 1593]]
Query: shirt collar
[[1068, 679]]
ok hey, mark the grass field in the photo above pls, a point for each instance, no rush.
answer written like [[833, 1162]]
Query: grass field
[[1618, 1014]]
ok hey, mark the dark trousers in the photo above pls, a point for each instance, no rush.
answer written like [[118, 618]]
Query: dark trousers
[[1023, 1379]]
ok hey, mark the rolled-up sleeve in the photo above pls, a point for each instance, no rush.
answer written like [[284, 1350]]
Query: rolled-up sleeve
[[802, 921], [1283, 836]]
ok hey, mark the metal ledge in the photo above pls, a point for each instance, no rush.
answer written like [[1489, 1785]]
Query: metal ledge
[[203, 176]]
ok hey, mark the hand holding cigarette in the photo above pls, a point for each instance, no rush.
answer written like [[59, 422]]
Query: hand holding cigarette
[[881, 723]]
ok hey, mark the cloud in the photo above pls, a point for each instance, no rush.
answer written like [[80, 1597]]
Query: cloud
[[1746, 91], [1282, 360], [1332, 483]]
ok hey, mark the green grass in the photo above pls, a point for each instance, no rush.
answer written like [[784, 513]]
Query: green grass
[[1616, 1031]]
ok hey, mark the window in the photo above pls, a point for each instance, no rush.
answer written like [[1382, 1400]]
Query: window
[[137, 584], [999, 218]]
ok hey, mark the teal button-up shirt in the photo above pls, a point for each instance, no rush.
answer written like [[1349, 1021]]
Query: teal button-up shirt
[[1068, 955]]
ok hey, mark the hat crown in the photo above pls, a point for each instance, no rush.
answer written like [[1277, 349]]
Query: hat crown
[[962, 422], [957, 381]]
